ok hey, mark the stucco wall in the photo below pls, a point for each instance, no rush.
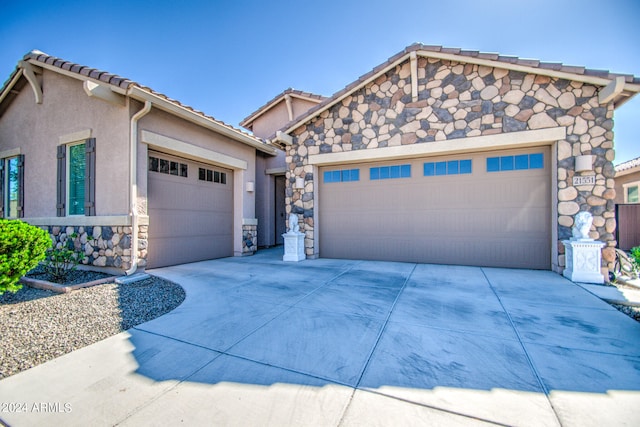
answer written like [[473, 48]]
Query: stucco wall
[[277, 116], [456, 101], [66, 109], [624, 179]]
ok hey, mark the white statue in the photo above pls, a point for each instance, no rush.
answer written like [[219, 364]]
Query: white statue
[[293, 224], [582, 226]]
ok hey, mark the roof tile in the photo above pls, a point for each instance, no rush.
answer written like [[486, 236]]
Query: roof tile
[[628, 164]]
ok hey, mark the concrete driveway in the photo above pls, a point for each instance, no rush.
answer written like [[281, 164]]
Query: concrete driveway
[[333, 342]]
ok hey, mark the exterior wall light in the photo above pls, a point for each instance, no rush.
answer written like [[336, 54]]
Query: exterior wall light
[[250, 186], [299, 183], [584, 163]]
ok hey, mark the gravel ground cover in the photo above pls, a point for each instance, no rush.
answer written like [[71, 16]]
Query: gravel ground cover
[[38, 325], [631, 311]]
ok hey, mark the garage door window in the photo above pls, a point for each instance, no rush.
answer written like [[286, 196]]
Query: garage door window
[[168, 167], [452, 167], [210, 175], [348, 175], [518, 162], [390, 172]]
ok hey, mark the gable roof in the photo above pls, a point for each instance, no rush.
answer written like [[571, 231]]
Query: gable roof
[[125, 87], [247, 122], [533, 66], [628, 167]]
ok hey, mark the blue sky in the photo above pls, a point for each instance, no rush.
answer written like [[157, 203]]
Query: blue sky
[[227, 58]]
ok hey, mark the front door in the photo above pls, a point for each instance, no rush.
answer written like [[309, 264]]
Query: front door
[[280, 216]]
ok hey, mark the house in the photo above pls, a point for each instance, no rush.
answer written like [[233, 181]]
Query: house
[[628, 182], [143, 180], [449, 156]]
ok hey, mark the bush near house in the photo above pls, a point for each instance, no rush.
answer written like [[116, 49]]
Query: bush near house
[[635, 256], [22, 246]]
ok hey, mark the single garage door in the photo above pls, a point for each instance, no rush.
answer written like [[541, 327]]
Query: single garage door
[[485, 209], [190, 211]]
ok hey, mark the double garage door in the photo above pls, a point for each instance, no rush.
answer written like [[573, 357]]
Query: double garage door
[[190, 211], [485, 209]]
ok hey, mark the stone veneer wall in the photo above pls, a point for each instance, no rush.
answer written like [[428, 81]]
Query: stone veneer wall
[[249, 239], [457, 100], [104, 246]]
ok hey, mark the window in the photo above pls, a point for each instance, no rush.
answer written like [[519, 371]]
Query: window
[[168, 167], [76, 178], [76, 171], [451, 167], [11, 187], [631, 194], [519, 162], [209, 175], [390, 172], [347, 175]]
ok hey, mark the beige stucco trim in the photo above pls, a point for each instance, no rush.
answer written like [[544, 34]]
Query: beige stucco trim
[[249, 221], [414, 76], [478, 143], [238, 209], [104, 93], [85, 221], [81, 135], [193, 117], [555, 266], [287, 100], [276, 171], [29, 73], [10, 153], [9, 87], [179, 148]]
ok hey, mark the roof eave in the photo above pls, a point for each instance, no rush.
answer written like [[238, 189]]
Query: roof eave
[[140, 94], [247, 122], [629, 171], [9, 86], [77, 76], [630, 89]]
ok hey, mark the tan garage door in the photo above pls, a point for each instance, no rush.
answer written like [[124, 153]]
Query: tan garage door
[[485, 209], [190, 211]]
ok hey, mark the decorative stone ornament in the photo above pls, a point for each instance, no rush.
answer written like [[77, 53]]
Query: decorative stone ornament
[[293, 241], [583, 254]]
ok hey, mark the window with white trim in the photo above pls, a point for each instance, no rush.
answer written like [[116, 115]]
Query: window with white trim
[[631, 192]]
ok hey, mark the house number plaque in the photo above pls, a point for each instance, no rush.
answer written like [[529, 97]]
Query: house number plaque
[[584, 180]]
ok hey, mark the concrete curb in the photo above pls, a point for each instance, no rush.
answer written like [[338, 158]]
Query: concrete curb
[[62, 289]]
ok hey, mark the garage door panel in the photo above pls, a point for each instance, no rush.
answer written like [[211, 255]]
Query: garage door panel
[[495, 219], [189, 219]]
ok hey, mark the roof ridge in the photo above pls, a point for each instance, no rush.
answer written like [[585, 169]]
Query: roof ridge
[[287, 91]]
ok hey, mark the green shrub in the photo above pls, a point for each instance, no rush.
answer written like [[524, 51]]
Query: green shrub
[[22, 246], [59, 262], [635, 256]]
